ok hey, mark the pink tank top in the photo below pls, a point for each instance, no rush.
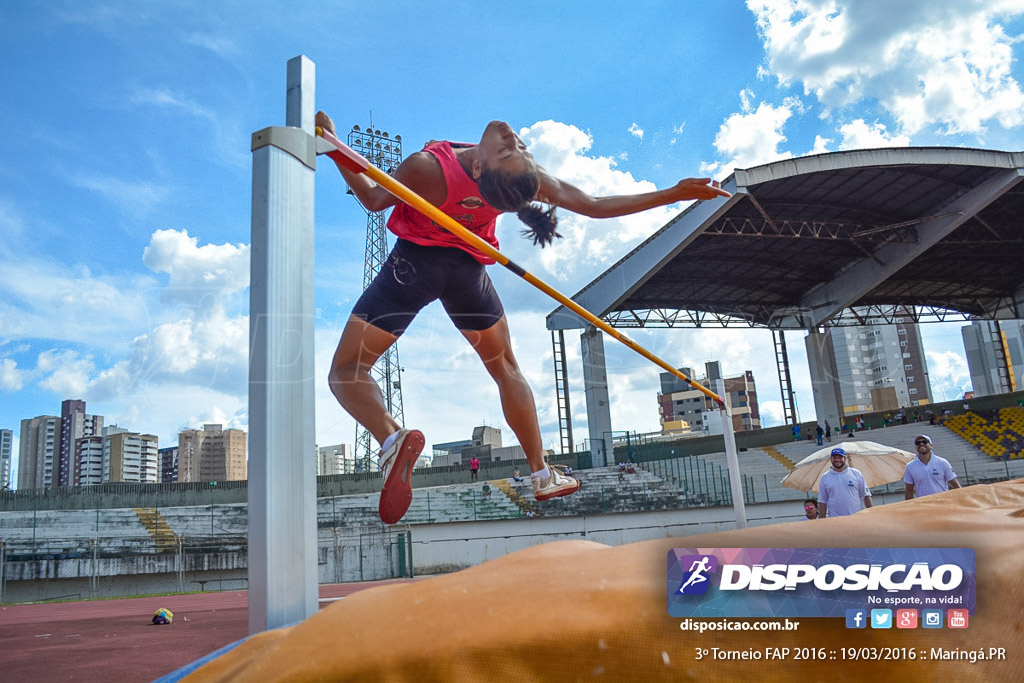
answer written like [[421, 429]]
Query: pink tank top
[[463, 203]]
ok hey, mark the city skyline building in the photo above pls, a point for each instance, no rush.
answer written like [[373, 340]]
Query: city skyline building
[[129, 456], [37, 451], [447, 453], [867, 368], [995, 355], [683, 409], [337, 459], [74, 424], [189, 442], [89, 459], [168, 464], [6, 446], [212, 454]]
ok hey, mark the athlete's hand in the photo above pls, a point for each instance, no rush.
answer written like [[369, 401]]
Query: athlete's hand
[[699, 188], [324, 121]]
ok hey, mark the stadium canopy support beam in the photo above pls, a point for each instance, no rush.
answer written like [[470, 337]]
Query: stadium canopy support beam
[[826, 300], [282, 477], [595, 388], [731, 456]]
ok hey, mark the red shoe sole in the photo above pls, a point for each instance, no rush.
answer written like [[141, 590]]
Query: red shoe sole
[[396, 496], [560, 494]]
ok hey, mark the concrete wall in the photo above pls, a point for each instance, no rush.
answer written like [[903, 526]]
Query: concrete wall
[[449, 547]]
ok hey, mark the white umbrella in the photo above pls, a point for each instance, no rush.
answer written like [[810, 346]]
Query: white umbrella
[[878, 463]]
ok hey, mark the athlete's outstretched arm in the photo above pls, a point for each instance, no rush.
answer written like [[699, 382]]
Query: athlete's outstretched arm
[[562, 194]]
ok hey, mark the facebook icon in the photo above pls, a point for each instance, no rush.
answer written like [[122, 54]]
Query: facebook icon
[[856, 618]]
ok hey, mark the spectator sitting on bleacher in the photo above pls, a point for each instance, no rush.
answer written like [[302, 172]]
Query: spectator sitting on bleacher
[[516, 477], [810, 509], [487, 490]]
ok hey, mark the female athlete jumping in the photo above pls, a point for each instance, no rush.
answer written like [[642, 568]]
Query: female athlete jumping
[[473, 184]]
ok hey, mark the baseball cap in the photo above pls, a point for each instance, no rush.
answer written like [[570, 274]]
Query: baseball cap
[[837, 451], [923, 436]]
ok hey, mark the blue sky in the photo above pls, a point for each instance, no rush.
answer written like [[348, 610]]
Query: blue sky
[[125, 172]]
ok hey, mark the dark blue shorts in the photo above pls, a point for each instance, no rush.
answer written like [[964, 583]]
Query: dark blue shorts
[[414, 276]]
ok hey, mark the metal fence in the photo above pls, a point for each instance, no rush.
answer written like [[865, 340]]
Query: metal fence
[[83, 568], [709, 482]]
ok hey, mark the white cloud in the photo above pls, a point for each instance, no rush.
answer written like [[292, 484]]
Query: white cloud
[[636, 131], [42, 300], [859, 134], [166, 409], [129, 344], [820, 145], [163, 97], [587, 244], [751, 137], [11, 378], [210, 351], [771, 413], [66, 372], [136, 198], [199, 275], [12, 225], [218, 44], [930, 64], [948, 375]]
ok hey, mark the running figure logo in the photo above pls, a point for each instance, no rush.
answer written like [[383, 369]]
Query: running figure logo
[[696, 580]]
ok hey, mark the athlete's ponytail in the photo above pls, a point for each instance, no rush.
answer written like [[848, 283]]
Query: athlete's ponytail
[[514, 193]]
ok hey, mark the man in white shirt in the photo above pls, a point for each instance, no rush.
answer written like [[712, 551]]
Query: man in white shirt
[[841, 490], [927, 473]]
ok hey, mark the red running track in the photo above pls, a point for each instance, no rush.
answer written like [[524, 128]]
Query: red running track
[[100, 641]]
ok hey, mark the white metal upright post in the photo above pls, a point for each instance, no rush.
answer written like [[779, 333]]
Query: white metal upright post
[[731, 456], [282, 475]]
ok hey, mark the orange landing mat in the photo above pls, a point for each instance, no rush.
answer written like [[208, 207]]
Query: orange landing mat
[[576, 610]]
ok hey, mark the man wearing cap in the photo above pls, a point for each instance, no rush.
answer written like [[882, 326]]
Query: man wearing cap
[[841, 490], [927, 473]]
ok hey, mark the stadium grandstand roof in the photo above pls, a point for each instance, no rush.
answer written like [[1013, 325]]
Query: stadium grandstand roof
[[929, 233]]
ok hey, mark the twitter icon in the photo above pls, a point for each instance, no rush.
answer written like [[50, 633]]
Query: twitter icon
[[881, 618]]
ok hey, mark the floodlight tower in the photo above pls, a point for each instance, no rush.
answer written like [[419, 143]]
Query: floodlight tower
[[385, 153]]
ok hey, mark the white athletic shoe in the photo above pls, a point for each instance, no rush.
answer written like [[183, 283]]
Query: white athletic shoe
[[396, 465], [555, 486]]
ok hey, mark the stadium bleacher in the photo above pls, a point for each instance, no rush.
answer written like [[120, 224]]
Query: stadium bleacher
[[659, 484], [998, 434]]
